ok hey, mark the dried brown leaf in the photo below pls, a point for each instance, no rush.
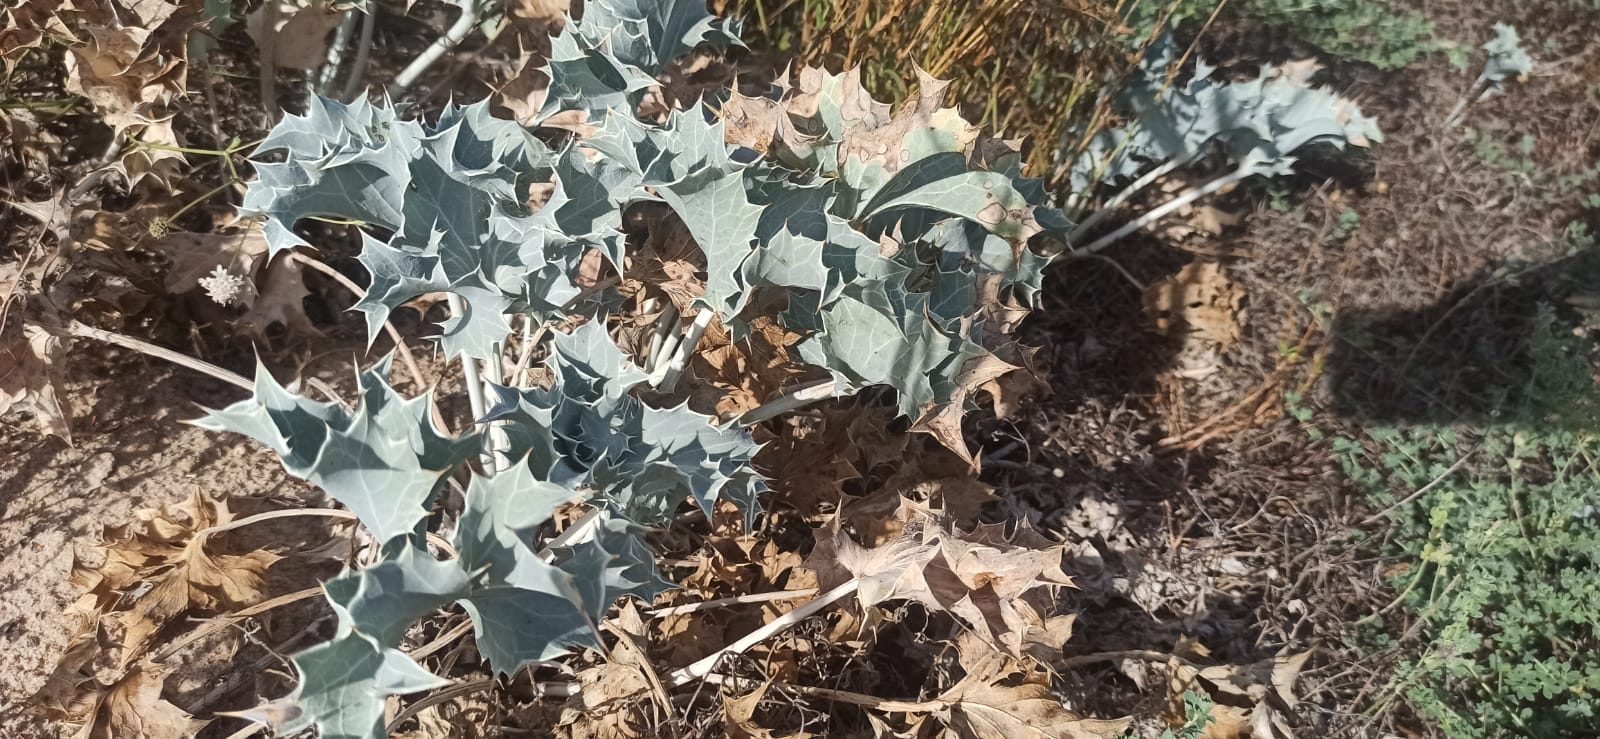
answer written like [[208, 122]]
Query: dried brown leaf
[[134, 708], [195, 255], [1028, 711], [280, 299], [1199, 302], [999, 587], [738, 714], [1001, 696], [1254, 700], [299, 34], [30, 379], [944, 422], [153, 575]]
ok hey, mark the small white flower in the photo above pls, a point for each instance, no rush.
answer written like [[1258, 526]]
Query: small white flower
[[222, 286]]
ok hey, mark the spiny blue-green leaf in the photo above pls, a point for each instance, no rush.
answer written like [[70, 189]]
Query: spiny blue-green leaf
[[715, 208], [397, 274], [592, 367], [649, 34], [585, 77], [687, 451], [382, 461], [942, 183], [791, 234], [454, 194], [1260, 122], [343, 684], [341, 161], [479, 328], [884, 337], [387, 597], [1506, 55], [613, 563], [502, 515]]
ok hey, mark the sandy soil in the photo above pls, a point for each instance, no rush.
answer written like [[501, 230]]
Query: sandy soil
[[131, 451]]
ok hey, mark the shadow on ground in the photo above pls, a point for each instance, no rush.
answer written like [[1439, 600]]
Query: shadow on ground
[[1473, 357]]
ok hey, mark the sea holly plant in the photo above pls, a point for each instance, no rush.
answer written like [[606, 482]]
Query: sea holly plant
[[1506, 60], [1255, 125], [810, 227]]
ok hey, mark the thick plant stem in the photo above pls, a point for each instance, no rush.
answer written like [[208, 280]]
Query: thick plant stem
[[451, 38], [280, 514], [658, 342], [1479, 86], [329, 71], [499, 443], [735, 600], [1110, 206], [1219, 183], [793, 400], [144, 347], [358, 70], [685, 348], [709, 664], [474, 380]]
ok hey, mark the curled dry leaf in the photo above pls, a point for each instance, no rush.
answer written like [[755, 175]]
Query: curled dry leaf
[[1001, 695], [134, 707], [131, 74], [1000, 586], [944, 422], [616, 695], [738, 714], [30, 379]]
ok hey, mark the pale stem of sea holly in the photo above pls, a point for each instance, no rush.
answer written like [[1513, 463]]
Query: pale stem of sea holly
[[473, 379], [358, 70], [1479, 87], [709, 664], [470, 12], [680, 356], [499, 443], [794, 399], [664, 324], [330, 65], [76, 328], [1121, 197], [1243, 172], [731, 601]]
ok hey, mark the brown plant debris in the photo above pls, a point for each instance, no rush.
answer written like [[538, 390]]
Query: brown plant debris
[[153, 576]]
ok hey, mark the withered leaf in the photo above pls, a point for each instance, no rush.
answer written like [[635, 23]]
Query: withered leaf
[[30, 380], [992, 586], [280, 299], [299, 34], [195, 255], [1200, 301], [1005, 697]]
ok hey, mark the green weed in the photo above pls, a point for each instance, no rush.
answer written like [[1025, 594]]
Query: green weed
[[1373, 31], [1501, 554]]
